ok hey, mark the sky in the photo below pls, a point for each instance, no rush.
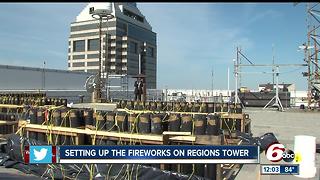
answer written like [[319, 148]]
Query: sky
[[193, 39]]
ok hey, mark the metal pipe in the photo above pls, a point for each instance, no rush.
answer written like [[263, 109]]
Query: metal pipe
[[101, 14], [44, 76], [236, 77], [212, 81], [105, 64], [273, 63], [257, 72], [98, 88], [139, 63], [270, 65], [277, 85]]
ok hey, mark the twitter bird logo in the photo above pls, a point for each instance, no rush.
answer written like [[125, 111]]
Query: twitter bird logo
[[40, 154]]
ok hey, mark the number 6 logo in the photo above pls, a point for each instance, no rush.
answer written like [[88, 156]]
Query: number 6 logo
[[274, 152]]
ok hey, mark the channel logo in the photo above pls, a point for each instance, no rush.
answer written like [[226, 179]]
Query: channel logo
[[277, 152], [40, 154]]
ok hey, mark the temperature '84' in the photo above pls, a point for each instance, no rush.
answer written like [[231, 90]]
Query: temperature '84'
[[288, 169]]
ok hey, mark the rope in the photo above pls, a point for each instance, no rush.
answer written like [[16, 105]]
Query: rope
[[105, 123], [140, 141], [149, 111]]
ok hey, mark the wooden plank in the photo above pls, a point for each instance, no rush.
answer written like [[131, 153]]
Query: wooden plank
[[233, 141], [232, 116], [183, 138], [55, 130], [126, 135], [3, 122], [159, 139], [176, 133], [10, 106], [144, 141], [209, 140], [97, 106]]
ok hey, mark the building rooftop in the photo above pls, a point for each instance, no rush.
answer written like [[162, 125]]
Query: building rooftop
[[126, 11], [39, 69]]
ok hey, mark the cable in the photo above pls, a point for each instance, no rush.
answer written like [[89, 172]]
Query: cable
[[119, 172], [105, 123], [137, 172]]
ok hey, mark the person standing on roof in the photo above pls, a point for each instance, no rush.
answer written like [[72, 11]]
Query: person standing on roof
[[136, 90], [140, 89]]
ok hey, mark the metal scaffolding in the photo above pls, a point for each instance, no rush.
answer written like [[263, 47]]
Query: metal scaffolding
[[275, 71], [311, 52]]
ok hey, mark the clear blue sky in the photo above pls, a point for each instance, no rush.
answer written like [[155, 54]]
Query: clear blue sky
[[192, 39]]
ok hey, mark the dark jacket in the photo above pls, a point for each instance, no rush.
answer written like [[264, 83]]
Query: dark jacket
[[136, 90], [140, 87]]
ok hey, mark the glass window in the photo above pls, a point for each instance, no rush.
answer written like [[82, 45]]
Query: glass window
[[132, 15], [133, 47], [78, 64], [122, 25], [111, 32], [95, 63], [78, 56], [141, 34], [92, 56], [150, 52], [93, 44], [119, 42], [121, 33], [79, 46], [104, 47]]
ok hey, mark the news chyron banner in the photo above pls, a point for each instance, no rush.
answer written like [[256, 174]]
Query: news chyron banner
[[143, 154]]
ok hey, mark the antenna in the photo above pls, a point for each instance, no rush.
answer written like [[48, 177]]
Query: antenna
[[272, 65], [100, 14], [43, 76], [228, 82], [212, 81]]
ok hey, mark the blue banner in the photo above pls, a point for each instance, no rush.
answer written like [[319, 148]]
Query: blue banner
[[156, 152], [289, 169]]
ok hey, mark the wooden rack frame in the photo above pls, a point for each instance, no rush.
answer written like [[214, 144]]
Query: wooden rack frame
[[222, 170], [163, 139]]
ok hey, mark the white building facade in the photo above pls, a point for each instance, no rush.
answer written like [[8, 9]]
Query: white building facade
[[123, 38]]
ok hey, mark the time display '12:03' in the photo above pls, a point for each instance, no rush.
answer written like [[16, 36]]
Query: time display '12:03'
[[279, 169]]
